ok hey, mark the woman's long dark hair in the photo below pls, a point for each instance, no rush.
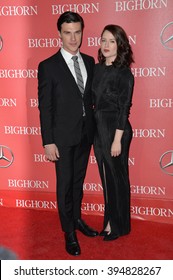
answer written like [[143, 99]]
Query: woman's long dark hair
[[124, 51]]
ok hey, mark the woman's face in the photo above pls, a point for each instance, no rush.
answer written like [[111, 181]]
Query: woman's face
[[108, 47]]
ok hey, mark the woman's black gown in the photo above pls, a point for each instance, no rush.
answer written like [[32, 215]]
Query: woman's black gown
[[112, 89]]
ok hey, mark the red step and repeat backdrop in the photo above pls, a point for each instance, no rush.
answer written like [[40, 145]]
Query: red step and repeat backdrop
[[28, 35]]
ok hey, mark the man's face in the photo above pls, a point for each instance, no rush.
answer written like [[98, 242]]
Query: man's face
[[71, 36]]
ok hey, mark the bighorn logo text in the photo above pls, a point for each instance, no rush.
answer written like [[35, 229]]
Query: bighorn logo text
[[166, 162], [166, 36], [6, 157]]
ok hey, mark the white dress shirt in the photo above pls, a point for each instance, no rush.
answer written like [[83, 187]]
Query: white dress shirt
[[67, 57]]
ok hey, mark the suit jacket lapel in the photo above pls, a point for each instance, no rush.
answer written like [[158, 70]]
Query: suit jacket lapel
[[70, 79], [64, 69], [88, 72]]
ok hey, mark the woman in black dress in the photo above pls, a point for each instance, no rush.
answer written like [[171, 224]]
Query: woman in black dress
[[112, 89]]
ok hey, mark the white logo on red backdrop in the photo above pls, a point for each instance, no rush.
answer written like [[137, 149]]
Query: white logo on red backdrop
[[166, 162], [8, 102], [122, 6], [18, 10], [44, 42], [93, 207], [161, 103], [28, 184], [6, 156], [18, 73], [147, 190], [22, 130], [148, 133], [40, 204], [151, 211], [166, 36], [92, 187], [149, 72], [1, 43], [1, 202], [80, 8]]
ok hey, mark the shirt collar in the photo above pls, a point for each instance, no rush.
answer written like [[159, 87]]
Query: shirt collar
[[67, 56]]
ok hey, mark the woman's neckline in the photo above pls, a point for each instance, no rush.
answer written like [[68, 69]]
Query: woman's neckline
[[108, 65]]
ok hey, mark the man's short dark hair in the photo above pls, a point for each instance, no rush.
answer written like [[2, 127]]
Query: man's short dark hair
[[69, 17]]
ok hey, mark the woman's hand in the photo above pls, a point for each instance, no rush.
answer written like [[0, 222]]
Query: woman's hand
[[116, 145], [116, 148]]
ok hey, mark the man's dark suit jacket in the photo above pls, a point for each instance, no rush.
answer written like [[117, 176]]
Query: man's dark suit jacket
[[60, 102]]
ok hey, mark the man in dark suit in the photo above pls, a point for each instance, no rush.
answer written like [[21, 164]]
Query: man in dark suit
[[67, 124]]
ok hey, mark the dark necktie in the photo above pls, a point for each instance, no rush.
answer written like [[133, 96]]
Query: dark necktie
[[79, 77]]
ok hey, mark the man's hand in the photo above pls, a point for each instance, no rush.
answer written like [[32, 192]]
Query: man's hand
[[51, 152]]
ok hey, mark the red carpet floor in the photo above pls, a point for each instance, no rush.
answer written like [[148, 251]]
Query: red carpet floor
[[36, 235]]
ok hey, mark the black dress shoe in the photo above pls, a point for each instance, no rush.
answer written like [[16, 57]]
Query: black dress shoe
[[72, 245], [103, 233], [85, 229], [110, 236]]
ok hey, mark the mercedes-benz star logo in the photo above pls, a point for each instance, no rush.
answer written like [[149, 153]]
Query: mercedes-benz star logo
[[6, 157], [166, 36], [1, 43], [166, 162]]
